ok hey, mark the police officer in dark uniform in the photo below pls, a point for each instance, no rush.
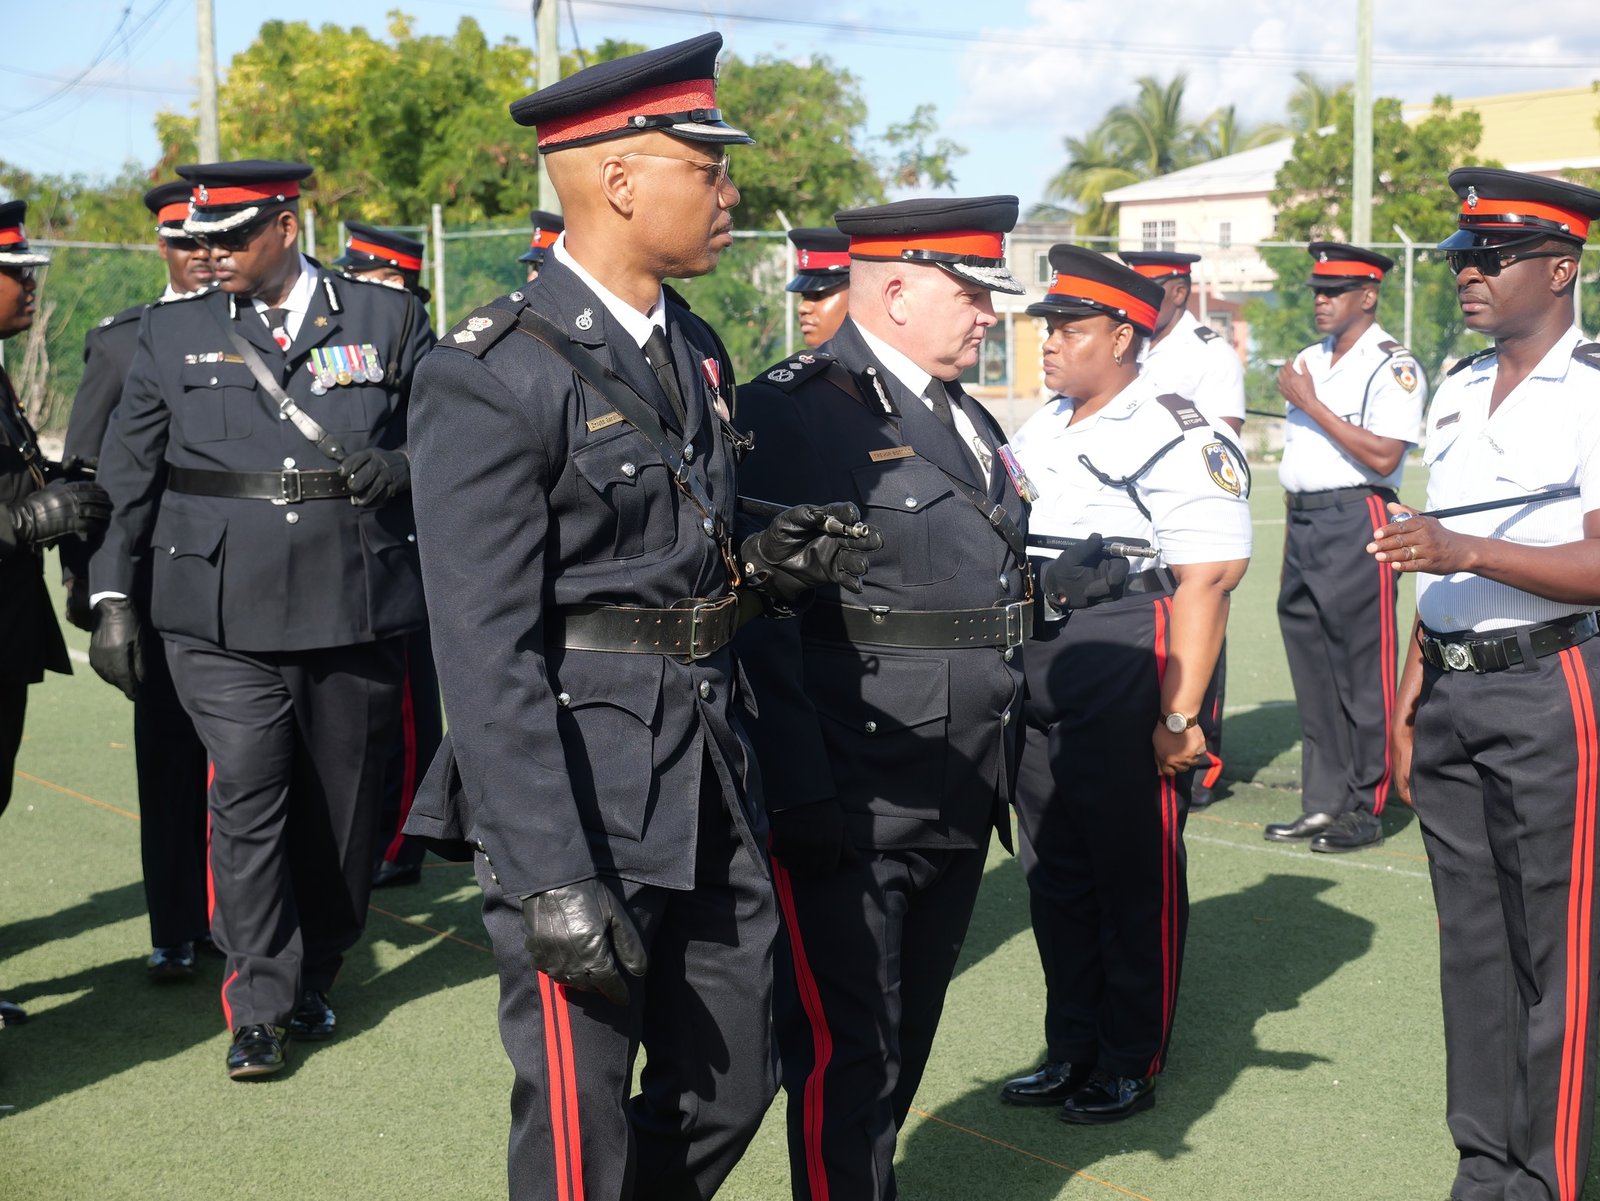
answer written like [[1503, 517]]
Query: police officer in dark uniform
[[257, 460], [888, 725], [36, 510], [575, 492], [169, 759], [547, 228], [1496, 740], [821, 280], [386, 257]]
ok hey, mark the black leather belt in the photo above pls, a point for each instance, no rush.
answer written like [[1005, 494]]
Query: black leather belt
[[935, 629], [1496, 652], [288, 487], [1326, 500], [692, 629], [1154, 580]]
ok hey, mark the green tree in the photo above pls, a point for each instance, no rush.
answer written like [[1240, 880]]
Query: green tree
[[1094, 167], [1312, 104], [1411, 164], [1223, 134]]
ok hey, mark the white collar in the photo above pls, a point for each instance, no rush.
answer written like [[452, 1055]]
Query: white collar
[[639, 326], [299, 298], [896, 364]]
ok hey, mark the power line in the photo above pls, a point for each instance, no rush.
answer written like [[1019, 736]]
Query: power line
[[98, 84], [121, 34]]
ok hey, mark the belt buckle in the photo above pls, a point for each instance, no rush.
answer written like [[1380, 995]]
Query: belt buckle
[[1016, 623], [288, 487], [698, 611], [1458, 656]]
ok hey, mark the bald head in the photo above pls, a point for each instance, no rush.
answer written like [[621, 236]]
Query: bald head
[[936, 319]]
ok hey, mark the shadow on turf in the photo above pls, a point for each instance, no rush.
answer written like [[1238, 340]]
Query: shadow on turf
[[1251, 953], [1253, 740], [118, 1020]]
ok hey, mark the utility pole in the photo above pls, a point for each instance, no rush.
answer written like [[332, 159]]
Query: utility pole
[[205, 28], [1361, 184], [546, 23]]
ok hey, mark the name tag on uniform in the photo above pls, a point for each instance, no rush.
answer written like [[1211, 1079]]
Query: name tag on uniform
[[600, 423], [893, 452]]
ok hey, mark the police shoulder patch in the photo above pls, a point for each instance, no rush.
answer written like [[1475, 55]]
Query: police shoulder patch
[[1182, 411], [480, 329], [1222, 468], [1406, 372], [1588, 354], [792, 372], [1462, 364], [1205, 333]]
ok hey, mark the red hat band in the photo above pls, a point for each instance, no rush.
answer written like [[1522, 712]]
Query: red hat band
[[686, 96], [956, 243], [1345, 269], [1161, 270], [543, 239], [821, 260], [209, 197], [12, 236], [172, 214], [405, 262], [1517, 214], [1075, 287]]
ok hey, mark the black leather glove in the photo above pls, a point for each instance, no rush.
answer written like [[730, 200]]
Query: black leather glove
[[78, 612], [806, 546], [1076, 579], [376, 475], [116, 648], [809, 839], [56, 511], [579, 934]]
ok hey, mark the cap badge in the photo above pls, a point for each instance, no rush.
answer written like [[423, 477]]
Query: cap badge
[[1322, 257], [805, 258], [1472, 197], [585, 320], [479, 324]]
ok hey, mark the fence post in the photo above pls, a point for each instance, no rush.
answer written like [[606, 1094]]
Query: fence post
[[440, 318], [1410, 296], [308, 232]]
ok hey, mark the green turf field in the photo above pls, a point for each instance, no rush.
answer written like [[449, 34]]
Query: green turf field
[[1307, 1061]]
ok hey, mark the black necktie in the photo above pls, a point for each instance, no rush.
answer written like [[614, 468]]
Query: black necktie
[[940, 399], [278, 323], [660, 356]]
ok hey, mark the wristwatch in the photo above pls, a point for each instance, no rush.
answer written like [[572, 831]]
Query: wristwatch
[[1178, 723]]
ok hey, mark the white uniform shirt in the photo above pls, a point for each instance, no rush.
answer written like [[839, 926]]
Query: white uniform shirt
[[1545, 435], [297, 303], [1196, 492], [1369, 387], [1196, 362]]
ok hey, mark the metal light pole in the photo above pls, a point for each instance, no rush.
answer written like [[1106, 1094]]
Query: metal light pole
[[1410, 256], [206, 33], [1361, 183]]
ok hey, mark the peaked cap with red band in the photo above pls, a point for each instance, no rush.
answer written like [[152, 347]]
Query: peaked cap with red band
[[672, 89], [1499, 208], [169, 203], [367, 246], [1159, 264], [964, 236], [1339, 266], [1089, 284], [547, 227], [14, 250], [232, 195], [821, 260]]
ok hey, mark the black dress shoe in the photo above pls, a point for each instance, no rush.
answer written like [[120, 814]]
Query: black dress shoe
[[396, 875], [1200, 796], [1107, 1098], [11, 1015], [1350, 832], [1306, 826], [205, 946], [313, 1017], [167, 964], [1051, 1084], [256, 1051]]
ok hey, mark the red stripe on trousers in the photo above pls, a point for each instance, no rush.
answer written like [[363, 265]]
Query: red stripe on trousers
[[1386, 651], [408, 756], [562, 1088], [1580, 898], [821, 1036], [1167, 791]]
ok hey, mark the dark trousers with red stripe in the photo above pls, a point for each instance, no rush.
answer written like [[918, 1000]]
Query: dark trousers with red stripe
[[171, 767], [1102, 837], [415, 739], [1336, 612], [1504, 781], [702, 1013], [1208, 774], [297, 741], [861, 975]]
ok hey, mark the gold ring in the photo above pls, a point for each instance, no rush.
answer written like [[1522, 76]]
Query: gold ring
[[1413, 551]]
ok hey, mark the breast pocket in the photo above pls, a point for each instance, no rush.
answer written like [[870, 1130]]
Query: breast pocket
[[608, 715], [218, 402], [908, 501], [626, 498]]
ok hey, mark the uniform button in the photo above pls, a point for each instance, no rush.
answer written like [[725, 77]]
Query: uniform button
[[911, 502], [494, 877], [411, 537], [288, 463], [283, 416], [688, 452], [213, 381], [291, 518], [172, 550], [629, 470], [1005, 718], [705, 689], [481, 847], [1005, 581], [709, 526], [516, 296], [563, 699], [872, 727]]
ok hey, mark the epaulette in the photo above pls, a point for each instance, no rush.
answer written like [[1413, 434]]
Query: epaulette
[[201, 294], [1588, 353], [481, 329], [1469, 360], [1205, 333], [1182, 411], [1391, 348], [791, 373], [122, 318]]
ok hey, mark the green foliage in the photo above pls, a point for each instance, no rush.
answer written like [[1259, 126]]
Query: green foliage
[[1411, 164]]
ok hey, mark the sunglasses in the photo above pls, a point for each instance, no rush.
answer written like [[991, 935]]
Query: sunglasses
[[1489, 261], [232, 240], [185, 245], [719, 172], [22, 274]]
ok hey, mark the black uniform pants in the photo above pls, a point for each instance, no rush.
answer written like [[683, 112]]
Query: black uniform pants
[[702, 1013], [1504, 782], [1208, 774], [1102, 837], [859, 987], [297, 742], [412, 748], [13, 716], [171, 768], [1336, 612]]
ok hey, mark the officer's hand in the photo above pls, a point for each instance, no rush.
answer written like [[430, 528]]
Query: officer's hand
[[57, 511], [78, 612], [807, 546], [116, 650], [809, 839], [1085, 576], [376, 476], [1412, 542], [578, 935], [1402, 742], [1177, 752], [1295, 386]]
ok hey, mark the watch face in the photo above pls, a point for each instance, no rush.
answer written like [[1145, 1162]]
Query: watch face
[[1177, 723]]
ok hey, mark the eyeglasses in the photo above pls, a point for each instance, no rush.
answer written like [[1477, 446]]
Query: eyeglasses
[[1489, 261], [719, 172], [22, 274]]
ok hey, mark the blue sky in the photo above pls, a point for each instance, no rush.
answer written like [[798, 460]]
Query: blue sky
[[1008, 83]]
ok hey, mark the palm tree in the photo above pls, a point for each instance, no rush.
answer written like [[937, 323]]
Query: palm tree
[[1094, 167], [1222, 134], [1151, 131], [1312, 103]]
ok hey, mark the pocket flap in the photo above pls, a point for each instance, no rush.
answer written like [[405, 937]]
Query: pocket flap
[[904, 485], [631, 683], [1534, 470], [877, 692], [216, 375], [178, 533], [616, 462]]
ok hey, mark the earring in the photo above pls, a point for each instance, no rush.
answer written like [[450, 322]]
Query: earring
[[1116, 357]]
